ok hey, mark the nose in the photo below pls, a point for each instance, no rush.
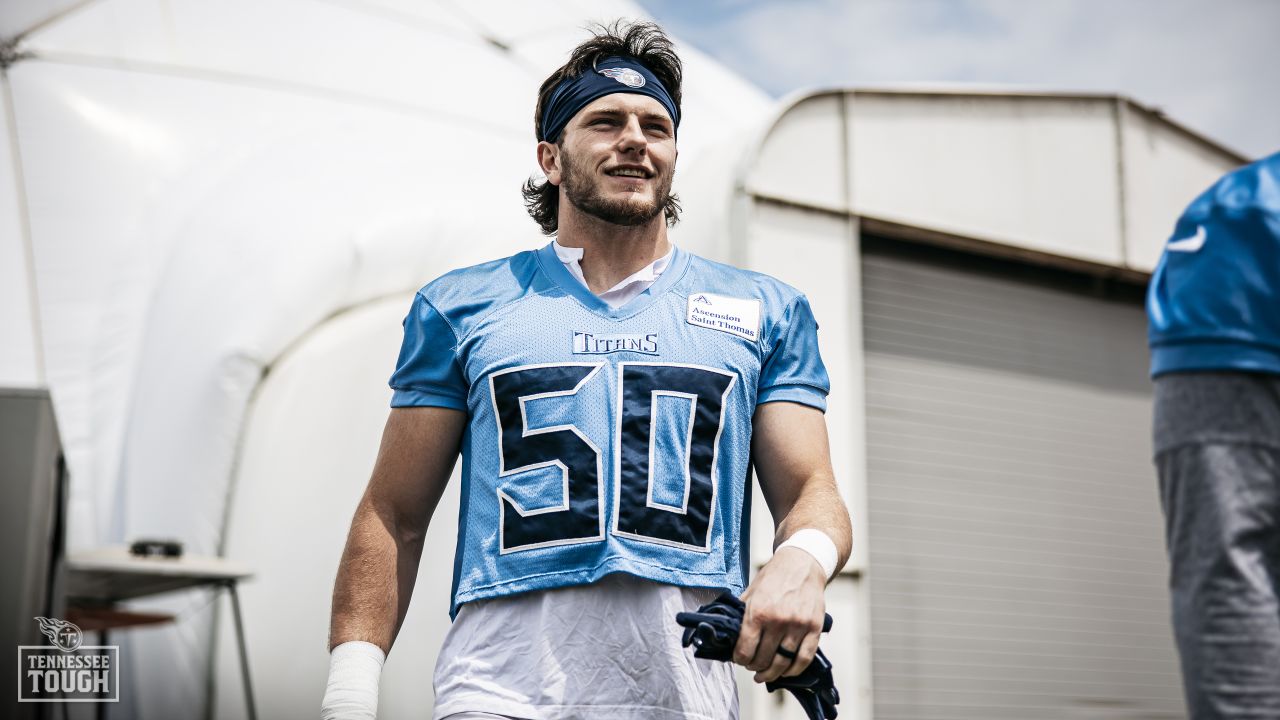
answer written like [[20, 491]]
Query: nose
[[632, 137]]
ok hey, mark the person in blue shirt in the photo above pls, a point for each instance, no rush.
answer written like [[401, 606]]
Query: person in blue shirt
[[1214, 311], [610, 395]]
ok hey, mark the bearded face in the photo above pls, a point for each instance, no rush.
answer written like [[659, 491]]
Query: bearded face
[[593, 192], [616, 160]]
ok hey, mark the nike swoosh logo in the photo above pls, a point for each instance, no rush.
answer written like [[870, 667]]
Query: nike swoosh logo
[[1191, 244]]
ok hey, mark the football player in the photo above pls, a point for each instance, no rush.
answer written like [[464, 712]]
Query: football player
[[609, 395], [1214, 331]]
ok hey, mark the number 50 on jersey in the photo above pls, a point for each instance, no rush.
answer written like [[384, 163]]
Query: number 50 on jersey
[[697, 393]]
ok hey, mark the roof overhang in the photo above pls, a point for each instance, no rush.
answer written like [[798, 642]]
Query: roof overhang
[[1089, 181]]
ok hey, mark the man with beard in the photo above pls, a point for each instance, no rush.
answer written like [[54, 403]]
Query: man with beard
[[609, 394]]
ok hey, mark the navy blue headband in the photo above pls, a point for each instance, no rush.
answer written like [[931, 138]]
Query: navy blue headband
[[611, 75]]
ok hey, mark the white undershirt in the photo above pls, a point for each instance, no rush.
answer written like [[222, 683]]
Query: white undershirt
[[605, 651], [622, 293]]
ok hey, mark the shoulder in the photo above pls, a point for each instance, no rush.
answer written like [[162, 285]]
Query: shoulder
[[721, 279], [781, 305], [1250, 188], [466, 295], [507, 277]]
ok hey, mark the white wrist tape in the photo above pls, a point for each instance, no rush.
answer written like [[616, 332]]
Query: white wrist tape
[[352, 693], [819, 545]]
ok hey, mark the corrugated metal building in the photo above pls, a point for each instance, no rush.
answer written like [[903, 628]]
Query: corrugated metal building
[[977, 262]]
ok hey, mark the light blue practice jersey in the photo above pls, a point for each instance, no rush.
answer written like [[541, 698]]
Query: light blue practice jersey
[[605, 440]]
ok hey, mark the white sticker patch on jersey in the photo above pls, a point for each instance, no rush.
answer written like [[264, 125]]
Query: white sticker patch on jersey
[[736, 316]]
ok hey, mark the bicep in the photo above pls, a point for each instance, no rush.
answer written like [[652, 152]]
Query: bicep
[[418, 451], [790, 450]]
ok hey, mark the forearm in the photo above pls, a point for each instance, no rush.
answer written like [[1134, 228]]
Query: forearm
[[380, 562], [783, 619], [818, 506], [375, 579]]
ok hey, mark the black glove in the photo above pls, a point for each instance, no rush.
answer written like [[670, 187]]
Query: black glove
[[713, 631]]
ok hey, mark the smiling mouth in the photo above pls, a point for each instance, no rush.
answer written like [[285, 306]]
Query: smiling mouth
[[637, 173]]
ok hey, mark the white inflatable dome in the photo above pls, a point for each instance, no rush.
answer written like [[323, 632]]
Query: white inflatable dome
[[212, 218]]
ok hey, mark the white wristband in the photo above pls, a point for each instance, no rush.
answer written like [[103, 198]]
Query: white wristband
[[352, 693], [818, 544]]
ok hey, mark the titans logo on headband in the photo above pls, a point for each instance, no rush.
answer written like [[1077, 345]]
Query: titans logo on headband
[[626, 76], [612, 75]]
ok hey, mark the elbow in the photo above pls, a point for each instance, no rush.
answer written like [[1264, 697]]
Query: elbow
[[384, 519], [407, 536]]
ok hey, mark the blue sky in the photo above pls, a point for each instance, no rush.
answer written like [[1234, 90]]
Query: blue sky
[[1213, 65]]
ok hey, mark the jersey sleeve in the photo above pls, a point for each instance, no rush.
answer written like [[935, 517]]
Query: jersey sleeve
[[427, 371], [793, 369]]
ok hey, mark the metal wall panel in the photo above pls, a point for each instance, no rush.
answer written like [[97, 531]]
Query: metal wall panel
[[30, 473], [1033, 172], [1164, 170], [815, 252], [803, 158], [1017, 563], [1087, 177]]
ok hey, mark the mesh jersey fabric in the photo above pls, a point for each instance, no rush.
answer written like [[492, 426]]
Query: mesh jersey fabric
[[600, 439], [607, 650]]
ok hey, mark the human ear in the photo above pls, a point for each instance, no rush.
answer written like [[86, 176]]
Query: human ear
[[549, 161]]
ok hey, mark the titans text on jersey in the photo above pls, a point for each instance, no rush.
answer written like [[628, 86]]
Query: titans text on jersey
[[605, 440]]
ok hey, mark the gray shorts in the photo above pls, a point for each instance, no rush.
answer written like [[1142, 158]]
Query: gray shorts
[[1217, 444]]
